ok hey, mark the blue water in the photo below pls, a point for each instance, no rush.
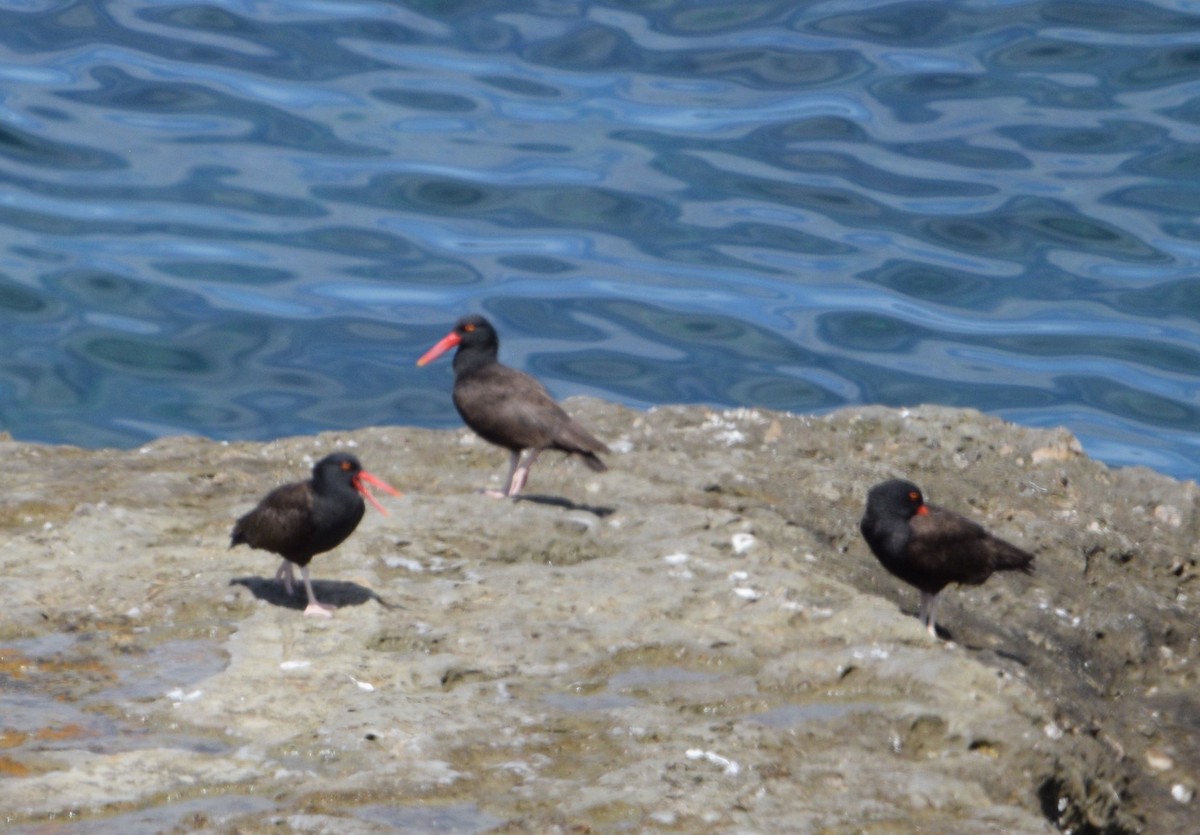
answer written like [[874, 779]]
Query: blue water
[[247, 219]]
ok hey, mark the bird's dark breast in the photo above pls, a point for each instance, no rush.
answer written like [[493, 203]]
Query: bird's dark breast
[[332, 525], [889, 540]]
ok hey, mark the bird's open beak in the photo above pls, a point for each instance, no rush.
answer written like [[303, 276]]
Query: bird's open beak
[[449, 341], [364, 478]]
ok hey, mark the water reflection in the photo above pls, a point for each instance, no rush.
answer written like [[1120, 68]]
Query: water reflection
[[248, 220]]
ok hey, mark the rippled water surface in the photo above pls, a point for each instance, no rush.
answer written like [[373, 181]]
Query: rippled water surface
[[247, 219]]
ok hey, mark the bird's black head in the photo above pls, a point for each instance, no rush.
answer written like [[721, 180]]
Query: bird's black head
[[334, 473], [474, 331], [897, 498], [338, 468], [475, 339]]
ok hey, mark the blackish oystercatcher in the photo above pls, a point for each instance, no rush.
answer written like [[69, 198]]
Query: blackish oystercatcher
[[507, 407], [306, 518], [930, 547]]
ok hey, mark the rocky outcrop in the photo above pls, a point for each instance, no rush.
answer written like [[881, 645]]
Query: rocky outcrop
[[697, 639]]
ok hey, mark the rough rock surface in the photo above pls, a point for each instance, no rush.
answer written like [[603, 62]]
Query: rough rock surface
[[696, 640]]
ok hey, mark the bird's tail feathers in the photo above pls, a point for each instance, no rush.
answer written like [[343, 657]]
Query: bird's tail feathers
[[593, 461], [1012, 558]]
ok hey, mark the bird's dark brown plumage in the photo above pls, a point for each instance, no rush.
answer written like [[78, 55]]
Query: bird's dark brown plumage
[[306, 518], [930, 547], [507, 407]]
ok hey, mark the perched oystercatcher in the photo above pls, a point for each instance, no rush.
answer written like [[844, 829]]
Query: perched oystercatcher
[[306, 518], [930, 547], [507, 407]]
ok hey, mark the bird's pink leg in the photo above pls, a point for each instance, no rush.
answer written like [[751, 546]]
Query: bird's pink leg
[[520, 474], [928, 612], [314, 609], [285, 576], [513, 460]]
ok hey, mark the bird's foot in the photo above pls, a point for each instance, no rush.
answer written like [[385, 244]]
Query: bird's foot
[[316, 610], [495, 494]]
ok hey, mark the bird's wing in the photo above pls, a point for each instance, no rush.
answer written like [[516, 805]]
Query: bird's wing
[[949, 544], [960, 548], [282, 521], [509, 408]]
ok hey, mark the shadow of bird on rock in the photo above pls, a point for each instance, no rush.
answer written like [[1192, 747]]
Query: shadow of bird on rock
[[565, 504], [337, 593]]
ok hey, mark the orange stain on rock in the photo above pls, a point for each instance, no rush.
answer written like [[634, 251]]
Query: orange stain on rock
[[62, 733], [11, 768], [13, 663], [11, 739]]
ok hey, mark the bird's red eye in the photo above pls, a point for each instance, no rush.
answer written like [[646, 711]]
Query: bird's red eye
[[345, 465], [914, 496], [468, 328]]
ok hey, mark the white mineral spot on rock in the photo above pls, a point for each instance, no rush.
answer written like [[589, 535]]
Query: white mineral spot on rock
[[727, 765], [1168, 515], [743, 542], [743, 414], [1159, 760], [1063, 450], [362, 685], [295, 665], [1182, 793], [578, 522], [177, 694], [739, 576], [1053, 731], [747, 593], [621, 447], [676, 559], [774, 432], [407, 563]]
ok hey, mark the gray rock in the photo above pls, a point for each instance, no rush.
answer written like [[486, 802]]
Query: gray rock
[[600, 655]]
